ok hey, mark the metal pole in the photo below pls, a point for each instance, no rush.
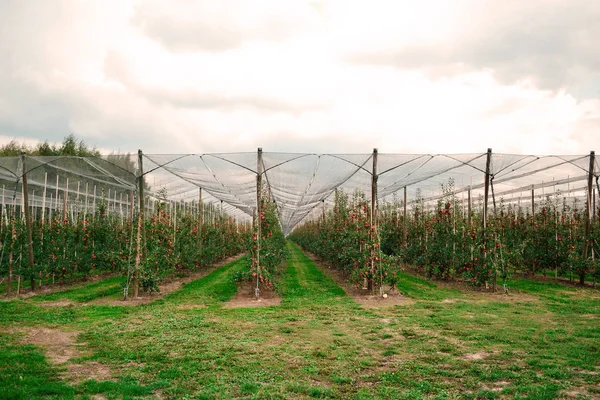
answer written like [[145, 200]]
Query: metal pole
[[30, 261], [405, 219], [486, 191], [373, 217], [586, 234], [258, 218]]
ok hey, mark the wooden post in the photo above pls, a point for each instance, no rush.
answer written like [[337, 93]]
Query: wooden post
[[486, 190], [588, 215], [373, 217], [139, 250], [485, 201], [258, 217], [323, 211], [594, 212], [30, 261]]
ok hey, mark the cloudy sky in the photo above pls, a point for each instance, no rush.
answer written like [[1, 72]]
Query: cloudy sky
[[339, 76]]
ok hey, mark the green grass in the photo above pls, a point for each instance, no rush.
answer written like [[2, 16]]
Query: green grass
[[87, 292], [318, 343]]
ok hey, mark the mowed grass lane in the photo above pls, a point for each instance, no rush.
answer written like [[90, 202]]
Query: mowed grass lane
[[321, 344]]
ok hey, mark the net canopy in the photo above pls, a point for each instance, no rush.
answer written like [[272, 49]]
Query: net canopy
[[300, 184]]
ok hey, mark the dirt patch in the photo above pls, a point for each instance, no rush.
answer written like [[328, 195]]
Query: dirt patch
[[89, 370], [245, 297], [497, 386], [167, 286], [474, 356], [60, 347]]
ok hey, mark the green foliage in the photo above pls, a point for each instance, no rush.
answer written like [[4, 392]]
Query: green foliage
[[347, 239], [266, 248], [101, 243], [445, 243], [71, 146]]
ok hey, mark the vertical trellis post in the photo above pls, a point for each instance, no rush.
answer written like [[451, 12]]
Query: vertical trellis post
[[200, 219], [486, 194], [373, 218], [56, 199], [469, 206], [131, 206], [30, 261], [532, 200], [65, 195], [139, 251], [588, 215], [258, 217], [485, 205], [405, 218], [323, 211], [43, 198]]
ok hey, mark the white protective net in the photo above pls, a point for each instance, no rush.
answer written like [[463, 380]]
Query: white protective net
[[301, 185]]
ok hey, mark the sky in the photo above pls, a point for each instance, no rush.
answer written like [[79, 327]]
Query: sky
[[324, 76]]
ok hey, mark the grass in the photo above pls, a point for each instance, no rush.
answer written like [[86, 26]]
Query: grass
[[86, 293], [318, 343]]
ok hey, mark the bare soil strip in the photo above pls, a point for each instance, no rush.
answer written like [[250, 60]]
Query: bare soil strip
[[245, 297], [60, 348]]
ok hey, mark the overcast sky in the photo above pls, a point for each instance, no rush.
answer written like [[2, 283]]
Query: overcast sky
[[184, 76]]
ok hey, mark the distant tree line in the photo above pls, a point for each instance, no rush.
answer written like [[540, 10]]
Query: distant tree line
[[70, 146]]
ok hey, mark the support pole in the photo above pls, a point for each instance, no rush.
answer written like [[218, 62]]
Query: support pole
[[200, 219], [258, 218], [43, 198], [405, 219], [588, 215], [532, 201], [486, 192], [485, 205], [469, 214], [65, 195], [139, 251], [373, 218], [30, 261], [323, 210]]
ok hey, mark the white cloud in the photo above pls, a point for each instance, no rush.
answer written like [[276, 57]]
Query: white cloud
[[229, 76]]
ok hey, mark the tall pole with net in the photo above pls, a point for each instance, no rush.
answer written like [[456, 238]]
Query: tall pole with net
[[258, 218]]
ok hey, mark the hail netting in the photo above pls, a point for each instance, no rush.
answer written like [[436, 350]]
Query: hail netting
[[300, 185], [71, 185]]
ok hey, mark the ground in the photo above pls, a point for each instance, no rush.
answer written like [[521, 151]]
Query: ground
[[207, 339]]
